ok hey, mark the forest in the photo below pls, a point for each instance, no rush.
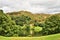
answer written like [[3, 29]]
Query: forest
[[27, 24]]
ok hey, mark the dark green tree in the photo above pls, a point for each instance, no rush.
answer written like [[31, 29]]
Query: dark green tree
[[21, 20], [7, 26], [52, 25]]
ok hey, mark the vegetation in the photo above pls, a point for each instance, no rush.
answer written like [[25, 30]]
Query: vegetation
[[49, 37], [52, 25], [27, 24]]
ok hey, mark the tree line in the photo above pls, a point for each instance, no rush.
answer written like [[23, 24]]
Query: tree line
[[22, 25]]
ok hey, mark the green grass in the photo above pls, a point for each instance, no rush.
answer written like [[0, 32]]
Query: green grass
[[50, 37], [4, 38]]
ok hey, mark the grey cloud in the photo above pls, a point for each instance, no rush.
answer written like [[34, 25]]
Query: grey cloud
[[45, 6]]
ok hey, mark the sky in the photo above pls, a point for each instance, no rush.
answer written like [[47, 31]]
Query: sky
[[34, 6]]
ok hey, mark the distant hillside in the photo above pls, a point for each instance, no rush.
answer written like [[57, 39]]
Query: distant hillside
[[39, 17]]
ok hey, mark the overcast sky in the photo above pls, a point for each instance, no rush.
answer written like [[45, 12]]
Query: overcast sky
[[35, 6]]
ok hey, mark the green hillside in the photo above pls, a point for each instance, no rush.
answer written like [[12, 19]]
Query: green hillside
[[26, 24], [39, 17]]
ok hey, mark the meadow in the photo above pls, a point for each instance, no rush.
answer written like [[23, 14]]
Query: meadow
[[49, 37]]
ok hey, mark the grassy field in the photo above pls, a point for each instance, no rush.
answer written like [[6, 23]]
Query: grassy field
[[49, 37]]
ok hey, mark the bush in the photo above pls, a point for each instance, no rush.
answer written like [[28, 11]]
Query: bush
[[37, 29]]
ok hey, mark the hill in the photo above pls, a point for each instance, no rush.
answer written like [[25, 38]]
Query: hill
[[38, 17]]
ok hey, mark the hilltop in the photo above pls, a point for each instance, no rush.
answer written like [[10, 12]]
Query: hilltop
[[39, 17]]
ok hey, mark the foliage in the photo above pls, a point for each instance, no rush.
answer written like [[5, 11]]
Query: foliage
[[52, 25], [21, 20], [37, 29], [23, 25], [7, 26]]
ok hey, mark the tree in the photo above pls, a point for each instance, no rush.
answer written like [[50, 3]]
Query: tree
[[52, 25], [37, 30], [7, 26], [21, 20]]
